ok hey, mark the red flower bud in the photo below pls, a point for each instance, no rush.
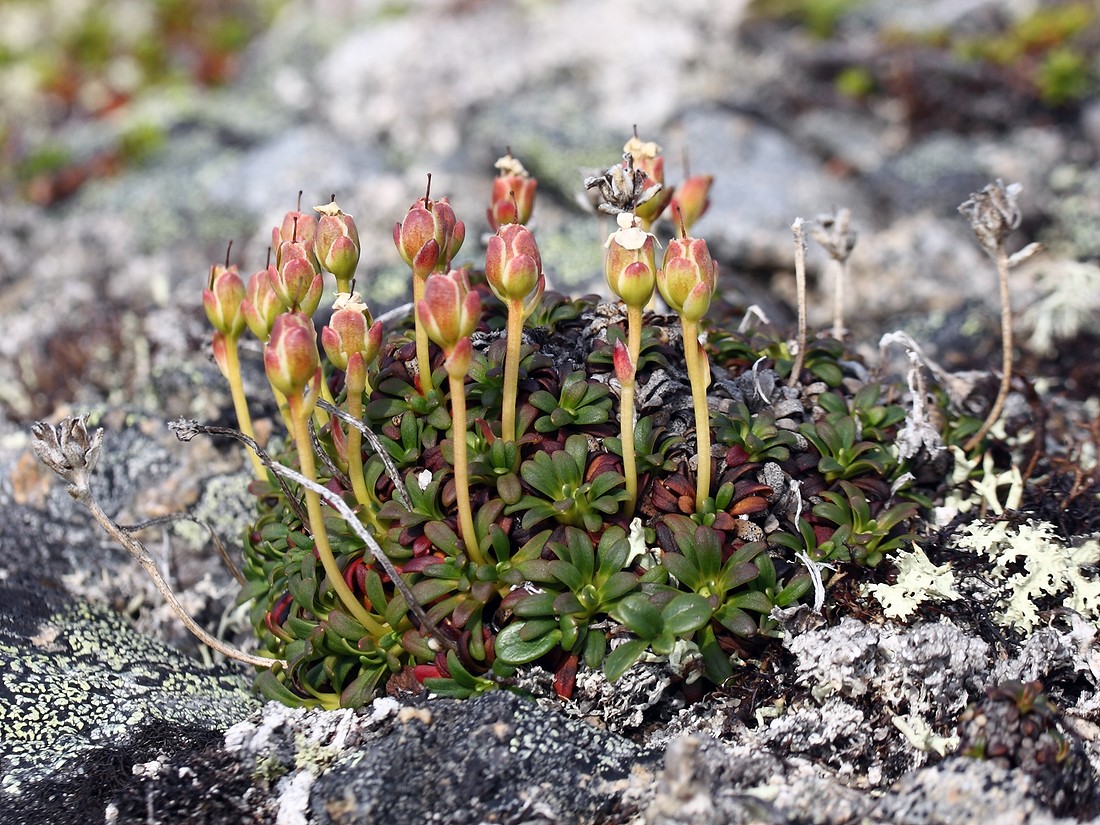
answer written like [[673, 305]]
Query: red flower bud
[[297, 227], [647, 157], [630, 265], [691, 200], [351, 332], [296, 272], [262, 304], [222, 301], [688, 278], [450, 309], [513, 266], [620, 359], [220, 356], [426, 221], [513, 195], [336, 242], [458, 360], [290, 355]]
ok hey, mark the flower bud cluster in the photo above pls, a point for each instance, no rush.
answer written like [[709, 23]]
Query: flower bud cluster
[[290, 355], [513, 265], [336, 243], [352, 339], [630, 266], [450, 311], [429, 236], [688, 278], [513, 196]]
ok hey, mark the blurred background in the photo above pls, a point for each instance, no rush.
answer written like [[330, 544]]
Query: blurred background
[[139, 137]]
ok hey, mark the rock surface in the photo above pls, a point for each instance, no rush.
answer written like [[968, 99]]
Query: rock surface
[[105, 709]]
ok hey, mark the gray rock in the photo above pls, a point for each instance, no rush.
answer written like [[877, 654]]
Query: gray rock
[[83, 697]]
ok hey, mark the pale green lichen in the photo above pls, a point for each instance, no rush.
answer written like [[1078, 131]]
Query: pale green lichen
[[84, 679], [1050, 567], [918, 581]]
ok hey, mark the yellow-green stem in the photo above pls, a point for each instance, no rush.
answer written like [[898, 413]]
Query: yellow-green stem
[[1006, 352], [702, 414], [320, 416], [308, 467], [514, 341], [626, 436], [240, 403], [354, 407], [626, 405], [423, 357], [634, 334], [462, 476]]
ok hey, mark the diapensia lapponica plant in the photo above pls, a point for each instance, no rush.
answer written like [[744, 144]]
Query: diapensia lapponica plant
[[509, 478]]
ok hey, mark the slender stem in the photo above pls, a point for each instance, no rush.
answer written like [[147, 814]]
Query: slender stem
[[841, 270], [514, 342], [626, 406], [355, 451], [335, 577], [136, 549], [462, 476], [186, 430], [800, 287], [240, 403], [1006, 352], [423, 356], [634, 334], [702, 413], [399, 490], [626, 436]]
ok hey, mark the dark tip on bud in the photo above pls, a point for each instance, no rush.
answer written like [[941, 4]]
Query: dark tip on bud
[[428, 193], [333, 198], [678, 218], [508, 150], [228, 247], [299, 206], [635, 130], [351, 287]]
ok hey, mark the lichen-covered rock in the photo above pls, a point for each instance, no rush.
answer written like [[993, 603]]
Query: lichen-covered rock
[[83, 697]]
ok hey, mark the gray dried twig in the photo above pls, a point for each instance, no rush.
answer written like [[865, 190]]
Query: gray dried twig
[[994, 213], [71, 452], [185, 430], [837, 237]]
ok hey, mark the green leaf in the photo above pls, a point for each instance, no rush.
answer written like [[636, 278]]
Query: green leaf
[[345, 626], [442, 537], [640, 616], [567, 574], [620, 659], [681, 568], [509, 488], [536, 604], [752, 600], [686, 613], [617, 586], [267, 684], [595, 648], [513, 649]]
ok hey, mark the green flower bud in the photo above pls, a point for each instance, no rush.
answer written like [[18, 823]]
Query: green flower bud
[[336, 242], [688, 278], [290, 355], [223, 301], [630, 265]]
